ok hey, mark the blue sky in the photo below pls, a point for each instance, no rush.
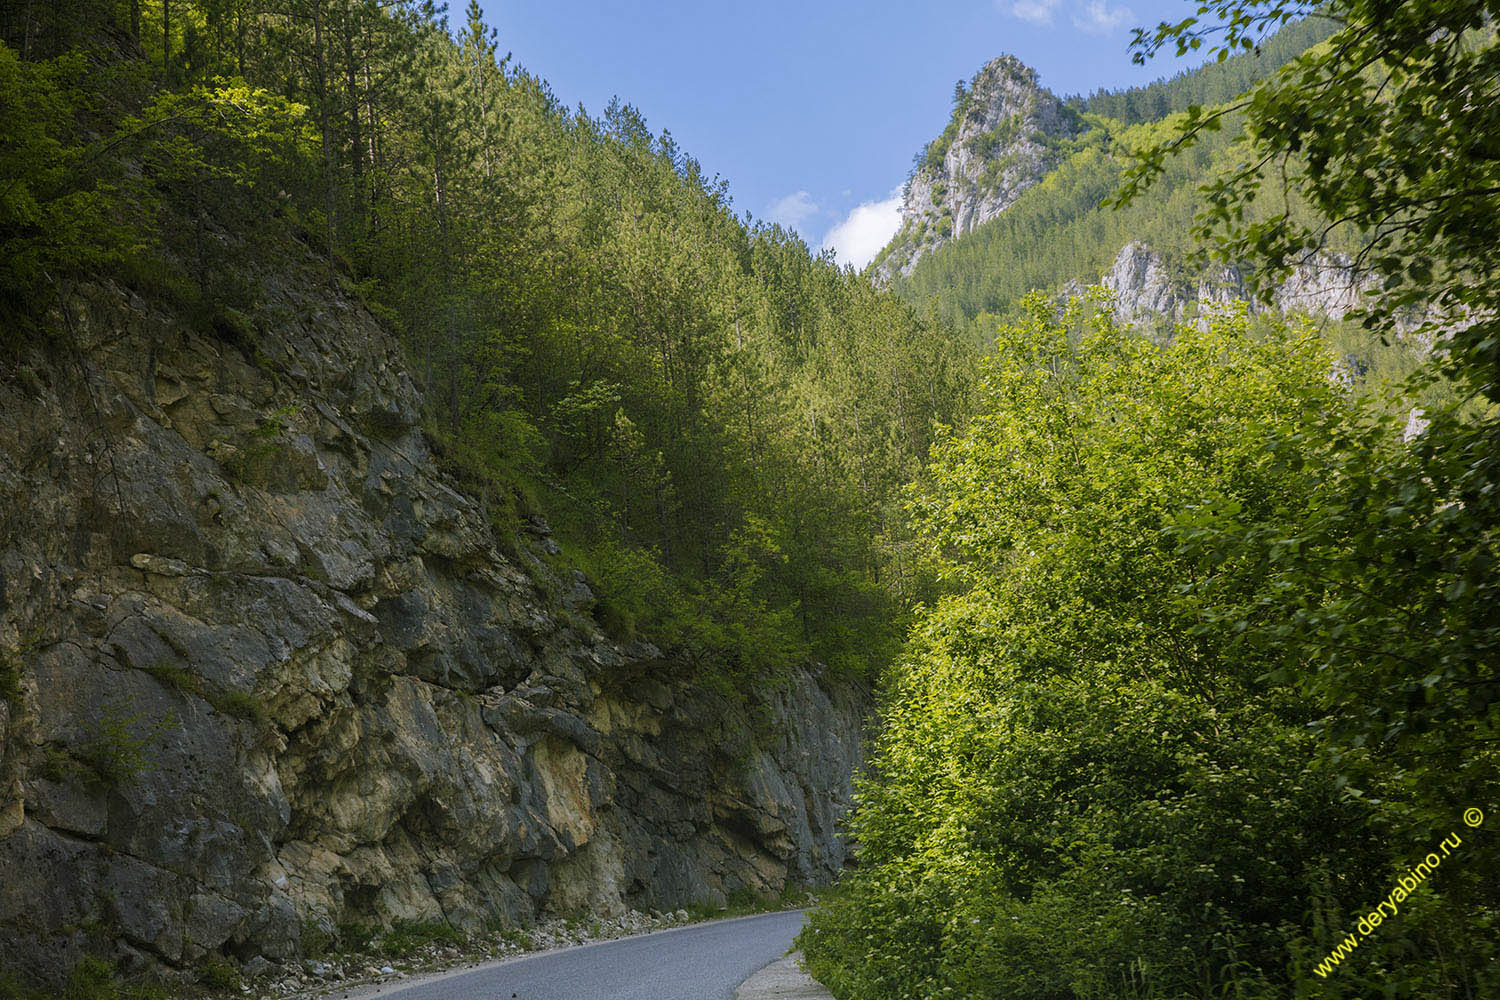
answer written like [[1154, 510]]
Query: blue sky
[[813, 110]]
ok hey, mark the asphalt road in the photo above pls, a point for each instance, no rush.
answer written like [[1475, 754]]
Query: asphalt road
[[701, 962]]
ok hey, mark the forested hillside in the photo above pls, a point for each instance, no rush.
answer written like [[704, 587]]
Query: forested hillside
[[1063, 229], [1215, 82], [1210, 708], [426, 509], [687, 395]]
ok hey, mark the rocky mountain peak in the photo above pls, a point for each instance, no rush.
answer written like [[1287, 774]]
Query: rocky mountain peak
[[1005, 133]]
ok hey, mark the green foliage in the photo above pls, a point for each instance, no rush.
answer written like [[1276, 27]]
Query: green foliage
[[497, 457], [10, 683], [93, 978], [118, 746], [355, 937], [236, 704], [596, 334], [56, 213], [240, 705], [1398, 151], [316, 940], [106, 176], [1004, 132], [931, 158], [179, 679], [1087, 784], [205, 148], [1064, 229], [1067, 228], [1214, 82], [62, 767], [219, 974], [260, 451], [745, 901], [1389, 613], [406, 937], [13, 666]]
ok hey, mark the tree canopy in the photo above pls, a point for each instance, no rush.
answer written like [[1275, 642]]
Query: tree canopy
[[688, 396], [1203, 572]]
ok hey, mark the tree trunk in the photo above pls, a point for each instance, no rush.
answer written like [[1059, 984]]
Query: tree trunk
[[330, 166], [239, 38], [351, 85]]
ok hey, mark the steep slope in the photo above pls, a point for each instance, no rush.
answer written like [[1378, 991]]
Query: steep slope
[[1148, 289], [1006, 133], [1055, 232], [268, 671]]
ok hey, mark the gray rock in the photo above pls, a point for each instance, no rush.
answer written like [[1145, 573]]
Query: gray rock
[[270, 698], [1148, 288], [1001, 142], [258, 967]]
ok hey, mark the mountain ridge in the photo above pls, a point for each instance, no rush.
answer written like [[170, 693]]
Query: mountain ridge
[[1053, 231], [1004, 135]]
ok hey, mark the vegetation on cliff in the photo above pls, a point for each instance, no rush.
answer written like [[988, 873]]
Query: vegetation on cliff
[[689, 397], [1061, 230], [1200, 645]]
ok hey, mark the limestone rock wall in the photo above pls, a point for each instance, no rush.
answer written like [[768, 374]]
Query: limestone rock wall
[[1147, 287], [1002, 139], [265, 669]]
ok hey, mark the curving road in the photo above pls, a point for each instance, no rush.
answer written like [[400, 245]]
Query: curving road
[[701, 962]]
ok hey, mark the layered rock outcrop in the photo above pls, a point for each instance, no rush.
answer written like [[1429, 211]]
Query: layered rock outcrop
[[1005, 135], [266, 669], [1148, 288]]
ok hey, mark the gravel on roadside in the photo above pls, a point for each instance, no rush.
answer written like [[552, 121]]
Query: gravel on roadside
[[319, 977]]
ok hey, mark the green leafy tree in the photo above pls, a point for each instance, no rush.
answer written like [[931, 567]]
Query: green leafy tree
[[1086, 786], [57, 211], [1390, 129]]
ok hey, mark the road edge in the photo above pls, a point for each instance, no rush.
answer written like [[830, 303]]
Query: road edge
[[785, 979], [369, 991]]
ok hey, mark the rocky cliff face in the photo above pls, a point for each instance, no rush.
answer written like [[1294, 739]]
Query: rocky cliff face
[[1148, 288], [1003, 138], [266, 670]]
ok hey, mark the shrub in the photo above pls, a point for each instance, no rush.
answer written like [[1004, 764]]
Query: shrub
[[10, 680], [356, 937], [13, 666], [407, 936], [241, 705], [118, 748], [179, 679], [219, 974], [1086, 787]]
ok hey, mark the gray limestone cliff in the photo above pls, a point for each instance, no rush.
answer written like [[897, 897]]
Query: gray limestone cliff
[[265, 668], [1006, 133], [1148, 287]]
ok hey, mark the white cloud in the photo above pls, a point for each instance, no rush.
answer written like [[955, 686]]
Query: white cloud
[[1038, 12], [858, 238], [1099, 18], [793, 210]]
